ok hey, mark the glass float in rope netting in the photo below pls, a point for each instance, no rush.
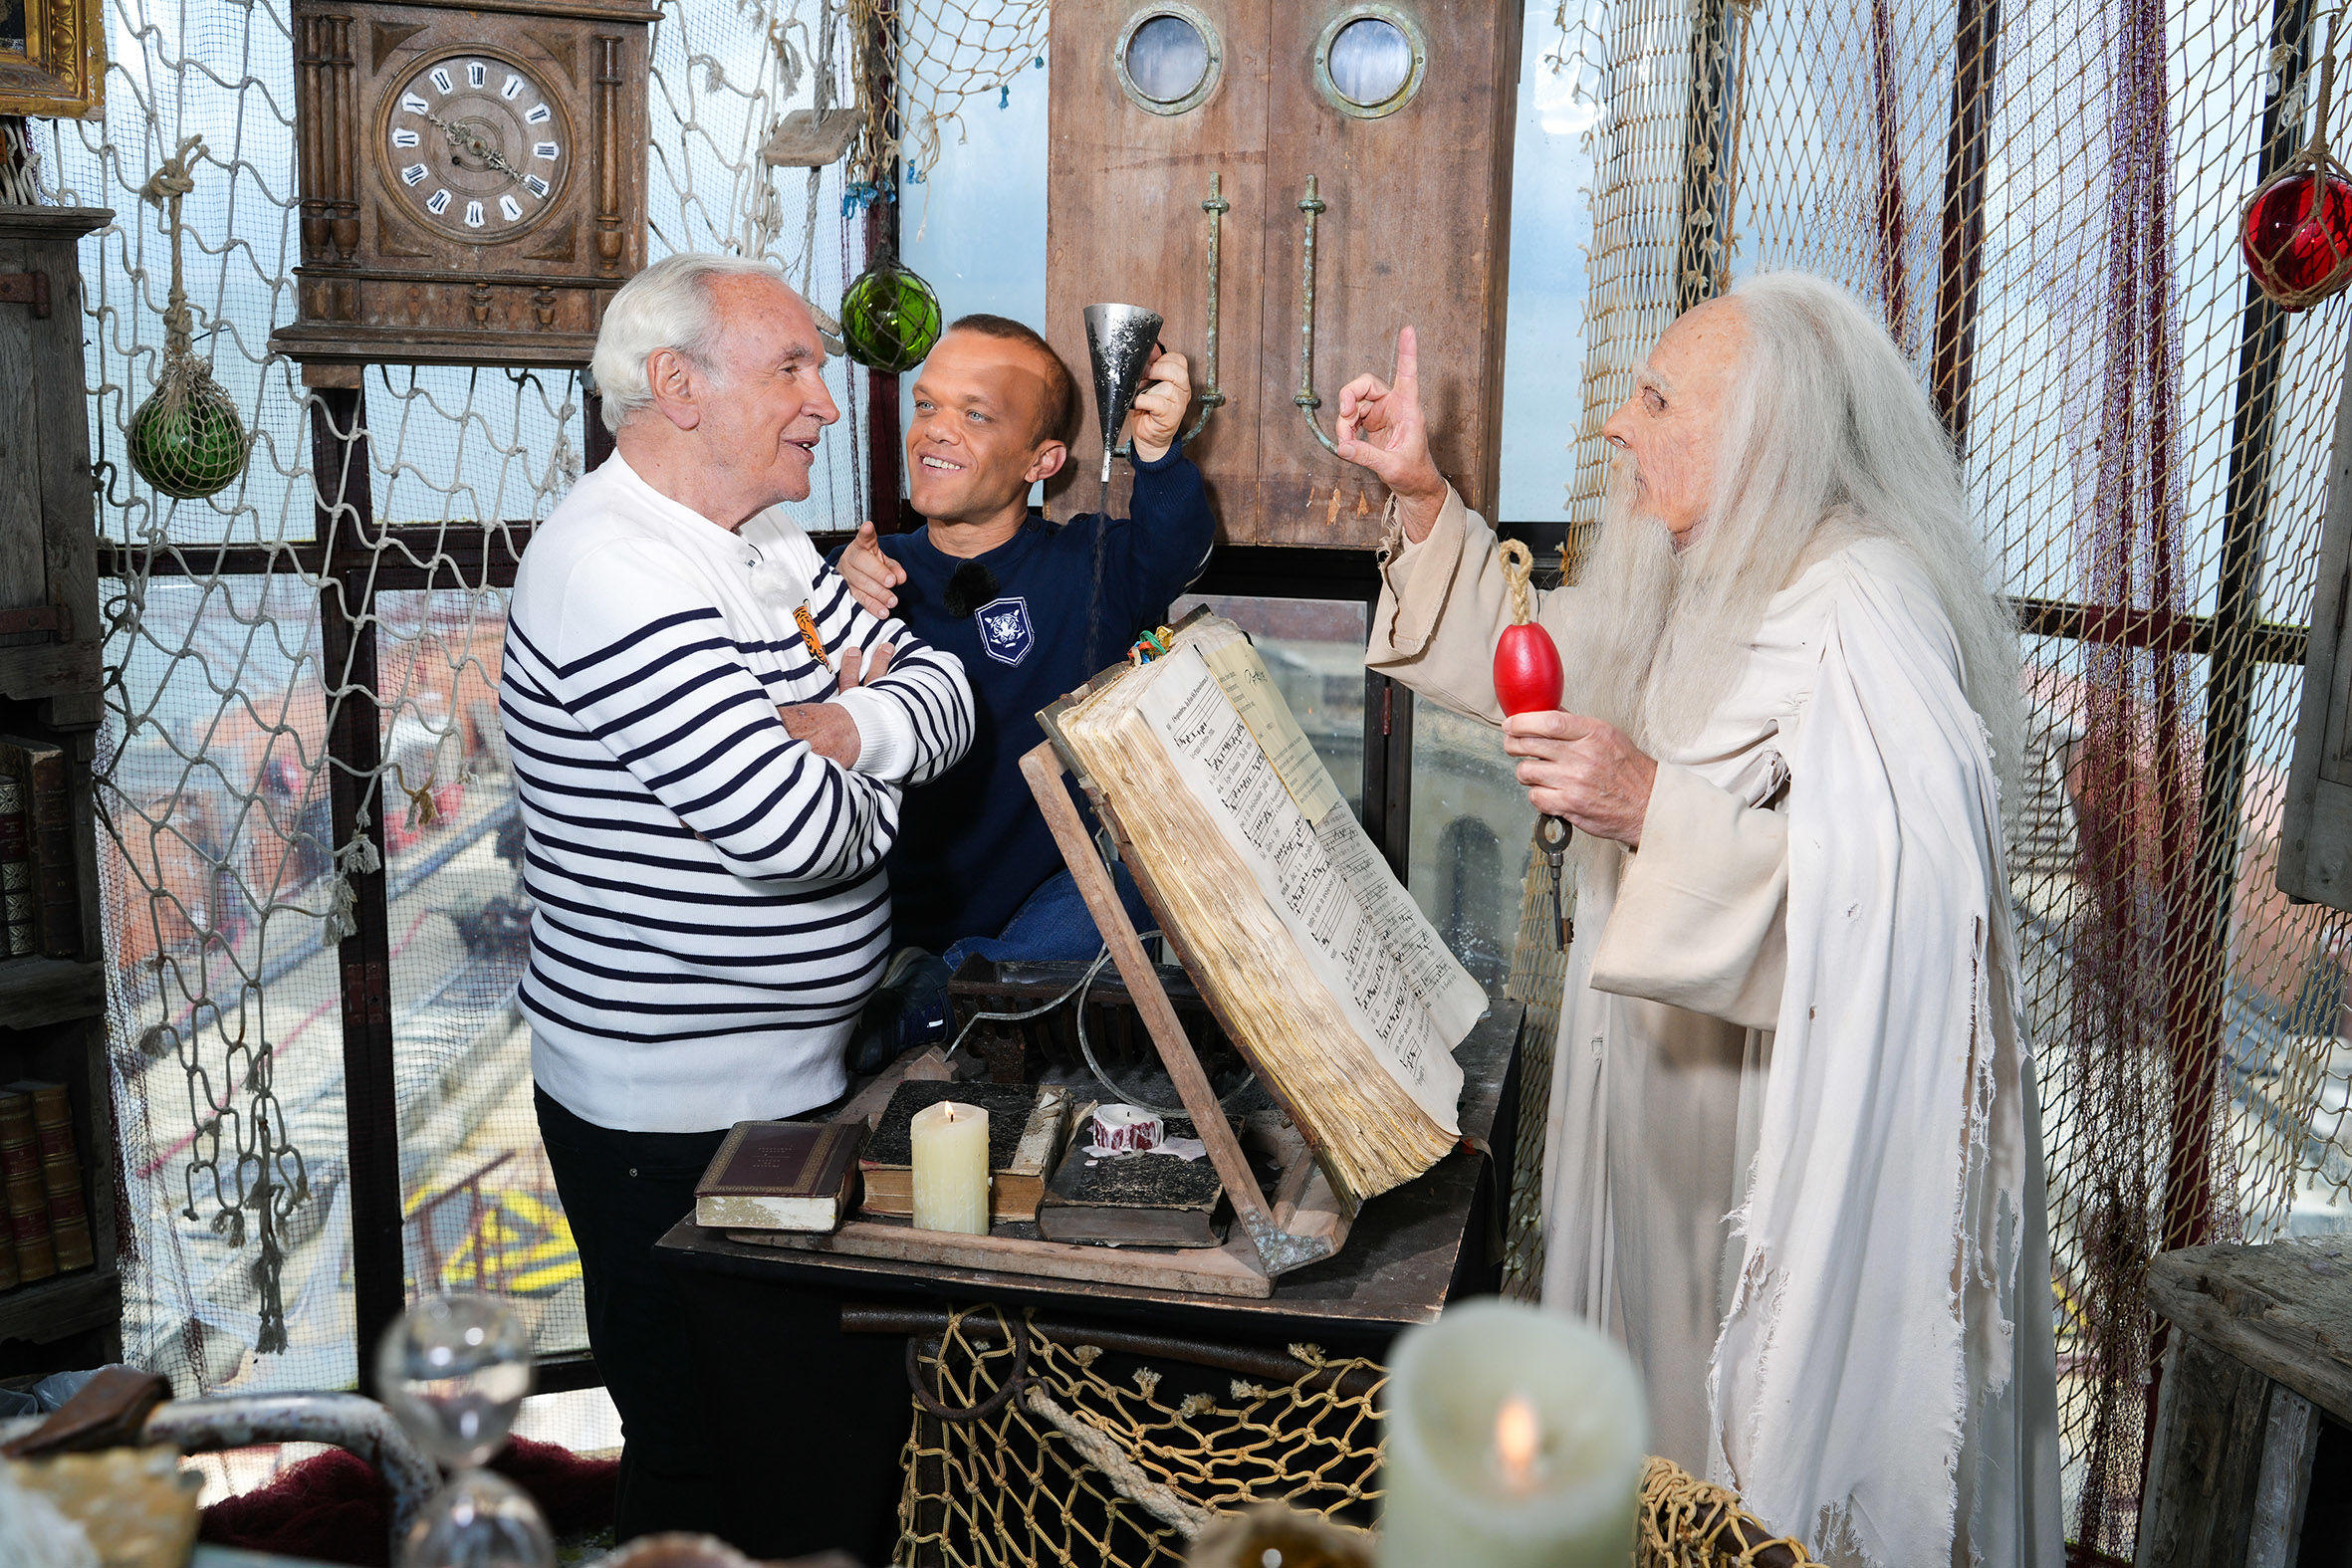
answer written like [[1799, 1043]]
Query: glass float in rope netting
[[2296, 230], [185, 439], [890, 319]]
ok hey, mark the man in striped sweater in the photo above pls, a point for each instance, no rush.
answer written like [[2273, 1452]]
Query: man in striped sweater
[[710, 737]]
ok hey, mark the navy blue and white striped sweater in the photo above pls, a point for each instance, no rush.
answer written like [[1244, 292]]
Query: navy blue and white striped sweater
[[710, 907]]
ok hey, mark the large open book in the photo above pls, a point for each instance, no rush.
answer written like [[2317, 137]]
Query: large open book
[[1322, 970]]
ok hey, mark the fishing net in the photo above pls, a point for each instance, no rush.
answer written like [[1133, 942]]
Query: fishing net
[[1032, 1444], [921, 62], [2041, 199], [243, 628]]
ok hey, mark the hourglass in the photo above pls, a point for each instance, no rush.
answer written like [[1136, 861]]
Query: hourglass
[[453, 1370]]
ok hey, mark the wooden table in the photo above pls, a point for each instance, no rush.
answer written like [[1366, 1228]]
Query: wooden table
[[810, 1413], [2251, 1465]]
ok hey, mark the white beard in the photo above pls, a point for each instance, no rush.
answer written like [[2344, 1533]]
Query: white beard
[[1654, 653]]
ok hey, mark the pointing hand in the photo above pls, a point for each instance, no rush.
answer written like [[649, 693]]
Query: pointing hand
[[1382, 429]]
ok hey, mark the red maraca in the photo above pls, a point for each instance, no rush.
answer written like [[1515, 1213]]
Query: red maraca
[[1529, 679]]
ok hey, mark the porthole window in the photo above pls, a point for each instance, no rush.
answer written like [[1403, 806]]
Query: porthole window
[[1169, 59], [1369, 61]]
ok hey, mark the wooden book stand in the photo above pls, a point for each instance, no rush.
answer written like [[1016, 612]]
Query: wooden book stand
[[1307, 1221]]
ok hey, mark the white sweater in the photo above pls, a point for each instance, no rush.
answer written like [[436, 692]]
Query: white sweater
[[710, 909]]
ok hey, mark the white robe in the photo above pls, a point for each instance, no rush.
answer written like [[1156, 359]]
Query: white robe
[[1793, 1158]]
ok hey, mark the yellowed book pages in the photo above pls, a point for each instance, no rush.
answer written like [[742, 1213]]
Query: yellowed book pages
[[1328, 976]]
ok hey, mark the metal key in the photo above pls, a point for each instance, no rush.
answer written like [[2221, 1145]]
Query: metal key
[[1551, 834]]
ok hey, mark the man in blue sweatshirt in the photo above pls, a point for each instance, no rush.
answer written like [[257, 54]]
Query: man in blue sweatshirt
[[1035, 611]]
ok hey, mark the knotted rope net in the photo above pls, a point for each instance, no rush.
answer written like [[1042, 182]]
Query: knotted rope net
[[1035, 1446], [236, 626], [1090, 1456], [2043, 201]]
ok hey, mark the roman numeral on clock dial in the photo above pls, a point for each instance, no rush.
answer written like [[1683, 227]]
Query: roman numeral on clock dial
[[464, 125]]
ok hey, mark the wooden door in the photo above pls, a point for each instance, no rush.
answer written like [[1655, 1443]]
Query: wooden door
[[1125, 224], [1413, 228]]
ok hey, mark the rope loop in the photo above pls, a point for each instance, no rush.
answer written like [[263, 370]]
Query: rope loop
[[1517, 563], [1015, 1332]]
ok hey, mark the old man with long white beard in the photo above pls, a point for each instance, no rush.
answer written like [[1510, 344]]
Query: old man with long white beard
[[1794, 1154]]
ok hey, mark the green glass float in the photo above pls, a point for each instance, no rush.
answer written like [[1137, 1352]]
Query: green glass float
[[185, 439], [890, 319]]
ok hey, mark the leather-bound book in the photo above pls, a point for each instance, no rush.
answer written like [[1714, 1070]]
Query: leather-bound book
[[61, 1172], [41, 770], [20, 1152], [780, 1176], [1132, 1199], [1025, 1126], [28, 1226], [20, 905]]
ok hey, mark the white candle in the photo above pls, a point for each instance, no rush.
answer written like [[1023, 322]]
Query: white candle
[[951, 1168], [1515, 1440]]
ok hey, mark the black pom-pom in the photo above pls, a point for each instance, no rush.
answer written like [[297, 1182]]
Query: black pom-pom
[[972, 586]]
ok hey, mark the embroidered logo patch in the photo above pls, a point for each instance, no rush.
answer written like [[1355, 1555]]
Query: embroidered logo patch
[[1005, 632]]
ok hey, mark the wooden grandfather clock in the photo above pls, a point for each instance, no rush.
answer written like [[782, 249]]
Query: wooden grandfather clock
[[472, 179]]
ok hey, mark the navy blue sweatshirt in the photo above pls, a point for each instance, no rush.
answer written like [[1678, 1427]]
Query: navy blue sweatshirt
[[971, 844]]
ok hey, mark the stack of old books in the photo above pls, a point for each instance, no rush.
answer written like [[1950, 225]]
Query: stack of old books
[[48, 1217], [38, 898]]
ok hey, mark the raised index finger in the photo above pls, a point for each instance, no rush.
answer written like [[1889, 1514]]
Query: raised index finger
[[1408, 360]]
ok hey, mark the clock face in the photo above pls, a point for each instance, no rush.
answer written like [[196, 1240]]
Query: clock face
[[476, 146]]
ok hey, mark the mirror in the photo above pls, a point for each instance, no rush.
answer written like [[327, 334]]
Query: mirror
[[1168, 58]]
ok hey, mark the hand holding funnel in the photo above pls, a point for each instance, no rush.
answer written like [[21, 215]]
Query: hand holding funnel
[[1119, 341]]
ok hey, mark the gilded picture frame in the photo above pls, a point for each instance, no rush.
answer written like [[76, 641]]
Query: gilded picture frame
[[53, 58]]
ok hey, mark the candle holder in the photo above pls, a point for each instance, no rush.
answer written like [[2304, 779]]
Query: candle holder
[[453, 1370], [1514, 1438]]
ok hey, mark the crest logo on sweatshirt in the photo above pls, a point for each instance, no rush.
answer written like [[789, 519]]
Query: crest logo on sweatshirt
[[1004, 631]]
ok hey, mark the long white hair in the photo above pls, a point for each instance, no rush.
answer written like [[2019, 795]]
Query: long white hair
[[1828, 438]]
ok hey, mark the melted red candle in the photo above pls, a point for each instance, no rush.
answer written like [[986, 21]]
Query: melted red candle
[[1527, 674], [2298, 232]]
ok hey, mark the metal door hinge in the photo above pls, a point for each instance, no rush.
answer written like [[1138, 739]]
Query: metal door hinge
[[26, 288]]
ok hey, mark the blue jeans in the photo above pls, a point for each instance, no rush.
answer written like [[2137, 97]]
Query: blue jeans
[[1051, 924]]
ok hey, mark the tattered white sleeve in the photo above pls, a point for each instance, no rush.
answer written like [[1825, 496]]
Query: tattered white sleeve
[[1700, 919]]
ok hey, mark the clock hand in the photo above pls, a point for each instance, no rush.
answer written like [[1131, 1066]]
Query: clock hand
[[475, 142]]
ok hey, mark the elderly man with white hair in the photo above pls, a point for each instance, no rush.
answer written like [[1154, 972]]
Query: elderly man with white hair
[[1794, 1153], [710, 739]]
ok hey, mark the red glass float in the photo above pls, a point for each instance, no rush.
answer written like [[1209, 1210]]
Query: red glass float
[[2297, 236], [1527, 674]]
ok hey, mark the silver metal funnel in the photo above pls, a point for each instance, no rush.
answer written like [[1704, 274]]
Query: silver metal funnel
[[1119, 340]]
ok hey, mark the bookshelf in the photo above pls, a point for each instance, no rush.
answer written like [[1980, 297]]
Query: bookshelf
[[52, 1002]]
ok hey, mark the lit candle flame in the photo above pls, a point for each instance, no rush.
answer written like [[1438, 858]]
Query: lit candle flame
[[1514, 1442]]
